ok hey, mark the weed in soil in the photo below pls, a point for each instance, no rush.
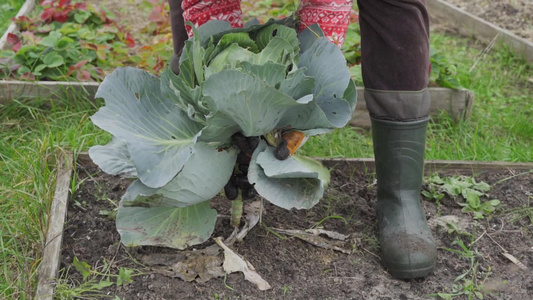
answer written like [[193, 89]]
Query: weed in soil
[[471, 259]]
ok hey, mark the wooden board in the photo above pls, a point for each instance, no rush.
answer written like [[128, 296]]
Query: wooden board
[[468, 24], [49, 268], [430, 166], [46, 90], [369, 163], [456, 103], [26, 8]]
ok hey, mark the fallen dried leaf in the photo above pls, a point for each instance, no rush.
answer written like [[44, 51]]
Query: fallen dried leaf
[[331, 234], [234, 263], [514, 260], [252, 213], [315, 239], [199, 265]]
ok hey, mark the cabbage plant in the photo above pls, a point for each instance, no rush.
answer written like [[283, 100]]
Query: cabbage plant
[[180, 136]]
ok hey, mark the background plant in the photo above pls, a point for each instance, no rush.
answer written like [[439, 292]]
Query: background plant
[[156, 52], [66, 40]]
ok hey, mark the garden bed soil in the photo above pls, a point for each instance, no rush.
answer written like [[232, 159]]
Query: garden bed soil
[[298, 270], [513, 15]]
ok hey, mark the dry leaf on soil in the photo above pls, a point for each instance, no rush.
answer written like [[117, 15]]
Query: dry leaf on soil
[[199, 265], [234, 263], [514, 260], [331, 234], [313, 237], [252, 214]]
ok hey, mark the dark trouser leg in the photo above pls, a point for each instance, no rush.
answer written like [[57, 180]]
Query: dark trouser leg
[[395, 44], [395, 64], [179, 34]]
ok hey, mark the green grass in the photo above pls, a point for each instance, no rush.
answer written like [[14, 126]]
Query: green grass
[[8, 9], [500, 128], [30, 137]]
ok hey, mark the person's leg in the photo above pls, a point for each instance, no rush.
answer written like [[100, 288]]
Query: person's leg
[[333, 16], [395, 44], [395, 64], [179, 34]]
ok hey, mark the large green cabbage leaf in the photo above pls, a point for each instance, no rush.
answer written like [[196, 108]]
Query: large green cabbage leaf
[[158, 134], [296, 182], [166, 226], [194, 184]]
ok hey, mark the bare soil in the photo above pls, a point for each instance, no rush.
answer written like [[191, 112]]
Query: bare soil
[[513, 15], [298, 270]]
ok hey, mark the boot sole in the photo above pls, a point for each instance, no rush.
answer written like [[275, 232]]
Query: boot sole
[[411, 274]]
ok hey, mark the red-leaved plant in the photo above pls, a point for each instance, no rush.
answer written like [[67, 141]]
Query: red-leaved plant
[[59, 10]]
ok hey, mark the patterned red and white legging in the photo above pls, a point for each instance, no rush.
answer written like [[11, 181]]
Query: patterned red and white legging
[[333, 16]]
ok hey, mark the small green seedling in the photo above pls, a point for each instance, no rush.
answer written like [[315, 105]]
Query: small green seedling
[[467, 283], [82, 267], [465, 187], [433, 191], [124, 276], [286, 289], [453, 228], [89, 274], [433, 194], [95, 279], [474, 205]]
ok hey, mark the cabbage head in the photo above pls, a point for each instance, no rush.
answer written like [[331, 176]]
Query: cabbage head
[[173, 134]]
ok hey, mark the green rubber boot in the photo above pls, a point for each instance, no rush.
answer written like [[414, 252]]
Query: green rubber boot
[[407, 247]]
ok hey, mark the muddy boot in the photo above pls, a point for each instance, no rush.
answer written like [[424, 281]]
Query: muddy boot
[[407, 246]]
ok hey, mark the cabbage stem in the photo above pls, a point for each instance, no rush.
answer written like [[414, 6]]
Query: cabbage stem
[[236, 211]]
